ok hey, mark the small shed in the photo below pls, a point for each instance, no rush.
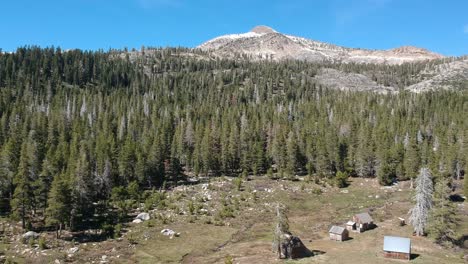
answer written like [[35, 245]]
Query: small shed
[[397, 247], [363, 222], [351, 226], [338, 233]]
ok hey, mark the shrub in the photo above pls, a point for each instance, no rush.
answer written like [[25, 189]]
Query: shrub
[[341, 179], [117, 230], [191, 207], [270, 173], [155, 199], [226, 212], [132, 240], [228, 260], [42, 243], [238, 183], [317, 191], [108, 230]]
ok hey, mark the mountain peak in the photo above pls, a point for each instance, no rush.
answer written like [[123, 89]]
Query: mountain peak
[[264, 42], [263, 30]]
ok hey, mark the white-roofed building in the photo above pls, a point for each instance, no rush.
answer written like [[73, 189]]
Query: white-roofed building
[[397, 247]]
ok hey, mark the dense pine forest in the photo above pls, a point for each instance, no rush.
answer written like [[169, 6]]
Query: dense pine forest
[[83, 132]]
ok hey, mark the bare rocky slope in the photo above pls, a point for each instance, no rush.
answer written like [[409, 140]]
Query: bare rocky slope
[[265, 43]]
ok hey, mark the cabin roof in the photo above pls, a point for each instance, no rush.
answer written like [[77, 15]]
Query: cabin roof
[[364, 217], [397, 244], [337, 230]]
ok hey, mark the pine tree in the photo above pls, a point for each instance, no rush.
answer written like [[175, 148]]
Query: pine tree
[[412, 160], [6, 173], [59, 204], [23, 202], [443, 217], [293, 154], [386, 172]]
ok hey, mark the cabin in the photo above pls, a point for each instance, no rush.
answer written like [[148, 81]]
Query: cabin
[[338, 233], [363, 222], [397, 247], [401, 221]]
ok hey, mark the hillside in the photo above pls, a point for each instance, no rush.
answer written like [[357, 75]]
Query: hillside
[[101, 151]]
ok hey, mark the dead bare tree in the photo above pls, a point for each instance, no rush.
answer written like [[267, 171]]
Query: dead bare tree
[[423, 201], [282, 227]]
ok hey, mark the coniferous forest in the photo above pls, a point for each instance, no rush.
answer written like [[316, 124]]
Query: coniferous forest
[[82, 131]]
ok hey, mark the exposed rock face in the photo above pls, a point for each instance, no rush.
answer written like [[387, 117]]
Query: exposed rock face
[[336, 79], [266, 43], [446, 76]]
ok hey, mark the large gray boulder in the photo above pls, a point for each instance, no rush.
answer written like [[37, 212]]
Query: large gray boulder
[[291, 247], [30, 235], [143, 217]]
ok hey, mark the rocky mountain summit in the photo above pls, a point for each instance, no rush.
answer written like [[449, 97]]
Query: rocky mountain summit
[[263, 42]]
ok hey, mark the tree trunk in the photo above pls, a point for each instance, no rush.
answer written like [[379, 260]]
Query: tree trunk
[[23, 213]]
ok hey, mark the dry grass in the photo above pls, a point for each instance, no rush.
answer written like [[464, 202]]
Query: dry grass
[[247, 237]]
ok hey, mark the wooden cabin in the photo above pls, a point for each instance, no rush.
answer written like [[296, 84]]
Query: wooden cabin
[[338, 233], [363, 222], [397, 247]]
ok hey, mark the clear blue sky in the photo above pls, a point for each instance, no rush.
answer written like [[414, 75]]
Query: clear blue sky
[[441, 26]]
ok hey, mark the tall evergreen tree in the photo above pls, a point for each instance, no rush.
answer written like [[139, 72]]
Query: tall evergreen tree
[[59, 204], [443, 218], [23, 203]]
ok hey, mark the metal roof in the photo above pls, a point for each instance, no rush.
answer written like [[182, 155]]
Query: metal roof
[[337, 230], [397, 244], [364, 217]]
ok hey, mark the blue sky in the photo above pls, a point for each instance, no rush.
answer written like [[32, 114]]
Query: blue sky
[[441, 26]]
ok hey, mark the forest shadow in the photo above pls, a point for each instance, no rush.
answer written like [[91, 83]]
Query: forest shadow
[[318, 252], [457, 198]]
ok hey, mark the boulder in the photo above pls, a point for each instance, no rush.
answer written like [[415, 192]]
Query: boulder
[[292, 247], [30, 234], [143, 216]]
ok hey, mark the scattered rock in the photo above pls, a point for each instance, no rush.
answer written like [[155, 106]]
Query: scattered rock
[[57, 261], [170, 233], [73, 250]]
